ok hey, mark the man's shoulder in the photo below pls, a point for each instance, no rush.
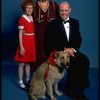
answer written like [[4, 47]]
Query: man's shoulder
[[58, 20], [53, 22], [74, 19]]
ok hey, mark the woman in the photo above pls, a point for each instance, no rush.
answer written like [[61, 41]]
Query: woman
[[44, 12]]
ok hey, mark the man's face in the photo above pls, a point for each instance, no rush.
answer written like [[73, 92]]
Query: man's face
[[64, 11]]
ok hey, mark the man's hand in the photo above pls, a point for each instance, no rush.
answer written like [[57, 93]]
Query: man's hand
[[70, 51]]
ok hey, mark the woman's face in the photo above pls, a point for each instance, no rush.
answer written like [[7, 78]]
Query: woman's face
[[29, 9]]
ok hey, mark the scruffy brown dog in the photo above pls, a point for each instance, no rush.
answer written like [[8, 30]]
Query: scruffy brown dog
[[48, 75]]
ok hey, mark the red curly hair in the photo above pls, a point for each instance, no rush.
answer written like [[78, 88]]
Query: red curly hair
[[27, 2]]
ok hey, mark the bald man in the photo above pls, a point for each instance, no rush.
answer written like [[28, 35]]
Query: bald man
[[63, 34]]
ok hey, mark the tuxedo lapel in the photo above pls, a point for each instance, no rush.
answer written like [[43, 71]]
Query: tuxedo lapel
[[61, 29], [70, 30]]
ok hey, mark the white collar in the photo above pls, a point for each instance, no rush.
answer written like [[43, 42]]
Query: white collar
[[25, 16], [67, 19]]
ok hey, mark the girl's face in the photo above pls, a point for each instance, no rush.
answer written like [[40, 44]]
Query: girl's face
[[29, 9]]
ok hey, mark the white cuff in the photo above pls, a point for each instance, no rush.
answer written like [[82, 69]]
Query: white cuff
[[20, 27], [74, 50]]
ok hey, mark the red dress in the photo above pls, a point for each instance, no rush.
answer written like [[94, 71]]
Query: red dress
[[28, 41]]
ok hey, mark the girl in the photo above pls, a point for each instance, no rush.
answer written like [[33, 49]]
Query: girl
[[26, 52]]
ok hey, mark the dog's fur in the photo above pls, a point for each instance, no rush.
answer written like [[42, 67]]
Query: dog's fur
[[39, 85]]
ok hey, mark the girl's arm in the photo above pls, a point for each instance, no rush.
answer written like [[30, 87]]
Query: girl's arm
[[22, 50]]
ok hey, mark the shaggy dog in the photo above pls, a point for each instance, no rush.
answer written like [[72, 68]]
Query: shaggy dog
[[48, 75]]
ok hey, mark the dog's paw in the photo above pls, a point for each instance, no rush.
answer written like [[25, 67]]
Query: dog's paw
[[58, 93], [53, 98], [43, 97]]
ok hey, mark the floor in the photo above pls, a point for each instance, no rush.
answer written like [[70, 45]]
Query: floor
[[11, 91]]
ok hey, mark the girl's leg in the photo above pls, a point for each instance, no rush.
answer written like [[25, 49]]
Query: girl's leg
[[20, 75], [27, 69]]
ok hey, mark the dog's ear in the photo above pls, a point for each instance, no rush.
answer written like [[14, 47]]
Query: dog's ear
[[67, 53], [56, 54]]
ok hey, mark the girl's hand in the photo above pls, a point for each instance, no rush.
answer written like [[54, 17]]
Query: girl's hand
[[22, 51]]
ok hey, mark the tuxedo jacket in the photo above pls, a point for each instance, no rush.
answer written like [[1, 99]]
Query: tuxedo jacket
[[55, 36]]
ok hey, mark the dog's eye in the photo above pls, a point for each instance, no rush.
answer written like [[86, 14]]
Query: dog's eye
[[67, 56], [62, 57]]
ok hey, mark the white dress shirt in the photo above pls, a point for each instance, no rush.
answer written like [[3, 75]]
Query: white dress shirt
[[66, 26]]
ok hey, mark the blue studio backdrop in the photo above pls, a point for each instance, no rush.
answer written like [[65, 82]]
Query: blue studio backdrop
[[86, 11]]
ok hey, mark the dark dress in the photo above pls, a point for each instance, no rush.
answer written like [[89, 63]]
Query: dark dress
[[41, 19]]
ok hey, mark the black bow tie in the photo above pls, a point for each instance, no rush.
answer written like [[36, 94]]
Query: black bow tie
[[67, 21]]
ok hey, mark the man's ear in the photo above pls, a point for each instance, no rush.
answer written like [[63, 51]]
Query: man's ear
[[69, 10]]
